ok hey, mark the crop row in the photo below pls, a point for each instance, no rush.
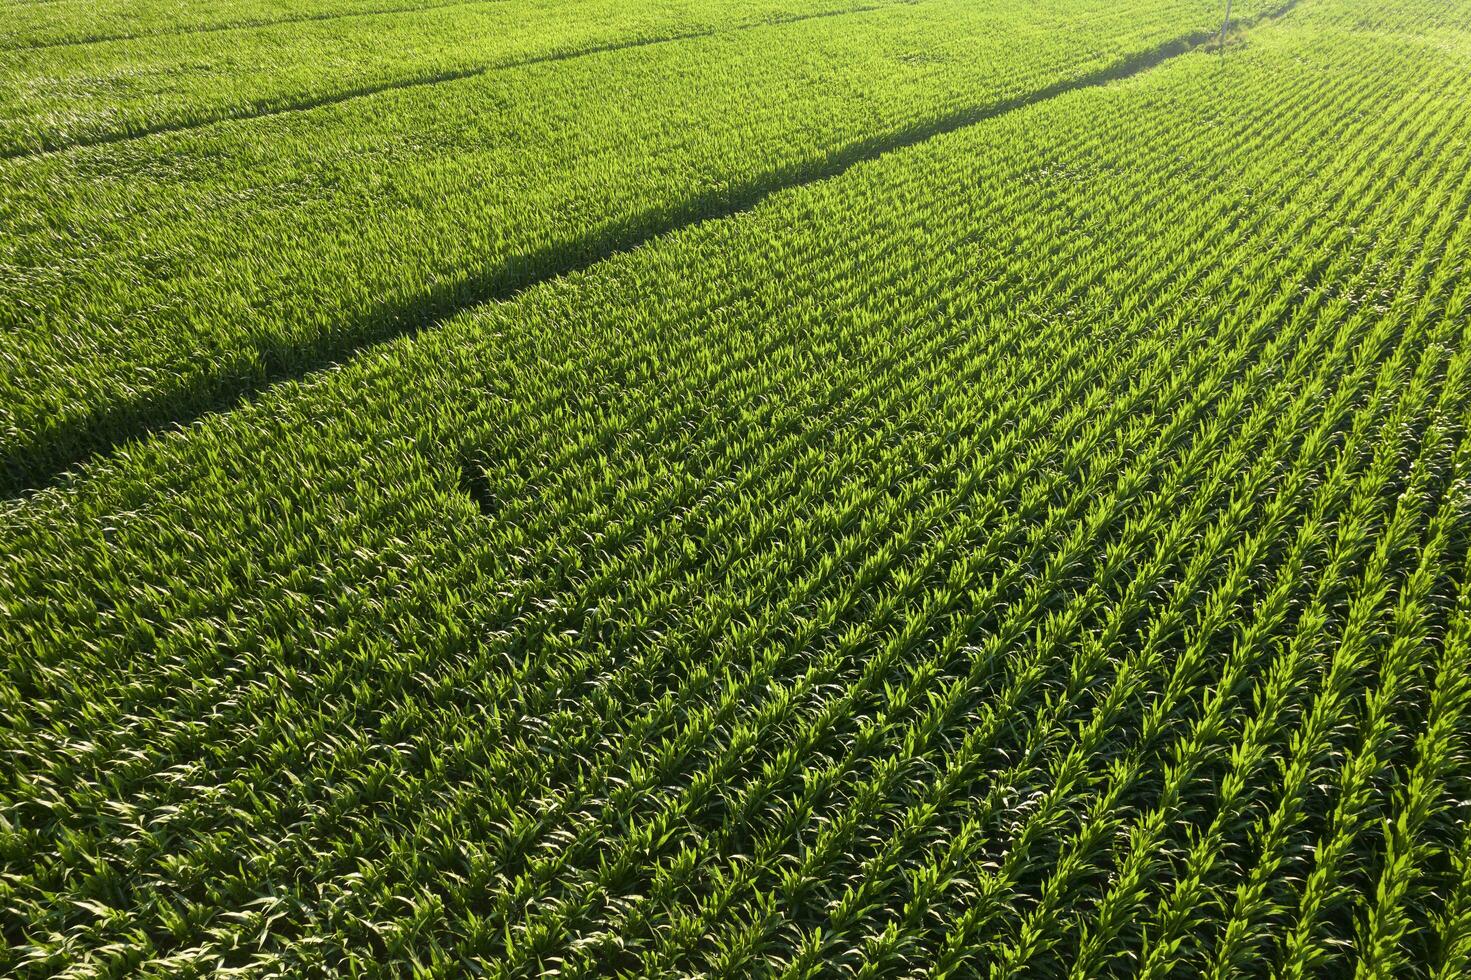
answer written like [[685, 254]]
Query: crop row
[[31, 23], [154, 279], [60, 97], [1039, 549]]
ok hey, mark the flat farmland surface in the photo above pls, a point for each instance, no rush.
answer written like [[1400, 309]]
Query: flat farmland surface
[[712, 489]]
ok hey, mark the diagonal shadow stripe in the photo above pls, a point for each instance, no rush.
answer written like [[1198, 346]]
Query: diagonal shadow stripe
[[43, 461]]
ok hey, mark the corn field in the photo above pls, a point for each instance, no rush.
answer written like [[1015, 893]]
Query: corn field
[[790, 488]]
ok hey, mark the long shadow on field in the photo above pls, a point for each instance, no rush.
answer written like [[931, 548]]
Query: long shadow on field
[[265, 110], [44, 460]]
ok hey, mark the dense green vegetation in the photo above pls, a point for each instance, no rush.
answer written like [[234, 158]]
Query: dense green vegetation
[[95, 92], [156, 278], [1022, 530], [39, 23]]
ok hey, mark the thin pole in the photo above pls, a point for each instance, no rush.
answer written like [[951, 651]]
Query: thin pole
[[1224, 24]]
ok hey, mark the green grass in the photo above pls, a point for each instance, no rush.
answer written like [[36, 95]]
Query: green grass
[[1035, 546]]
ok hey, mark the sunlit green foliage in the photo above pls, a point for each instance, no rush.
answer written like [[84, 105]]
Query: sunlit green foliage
[[1036, 549], [155, 278]]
